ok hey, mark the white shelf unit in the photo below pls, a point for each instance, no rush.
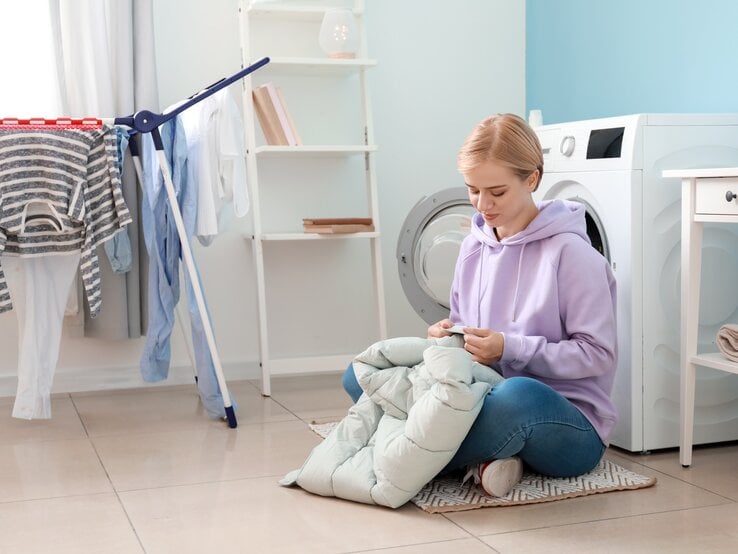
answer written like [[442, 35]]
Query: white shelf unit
[[706, 198], [317, 66], [338, 145], [330, 151]]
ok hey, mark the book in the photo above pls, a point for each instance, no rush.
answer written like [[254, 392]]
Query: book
[[334, 225], [284, 119], [289, 117], [268, 118], [338, 221], [336, 229]]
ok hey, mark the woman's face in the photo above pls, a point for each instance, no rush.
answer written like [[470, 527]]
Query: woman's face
[[503, 198]]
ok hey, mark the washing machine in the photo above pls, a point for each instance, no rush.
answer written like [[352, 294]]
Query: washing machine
[[613, 166], [427, 248]]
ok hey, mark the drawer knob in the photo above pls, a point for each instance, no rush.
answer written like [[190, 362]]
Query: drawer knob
[[730, 196]]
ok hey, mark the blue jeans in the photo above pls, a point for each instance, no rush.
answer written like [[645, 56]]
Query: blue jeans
[[526, 418]]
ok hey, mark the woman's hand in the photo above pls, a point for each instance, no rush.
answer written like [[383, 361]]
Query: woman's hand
[[438, 330], [484, 345]]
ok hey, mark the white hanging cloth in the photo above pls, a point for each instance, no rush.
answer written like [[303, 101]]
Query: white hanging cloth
[[216, 154]]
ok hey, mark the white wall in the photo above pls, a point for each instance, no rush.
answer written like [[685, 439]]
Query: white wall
[[442, 67]]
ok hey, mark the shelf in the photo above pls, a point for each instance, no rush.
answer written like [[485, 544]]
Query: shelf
[[290, 11], [702, 172], [715, 218], [715, 360], [316, 67], [317, 236], [697, 186], [287, 31], [327, 151]]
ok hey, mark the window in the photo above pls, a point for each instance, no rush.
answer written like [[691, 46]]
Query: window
[[29, 85]]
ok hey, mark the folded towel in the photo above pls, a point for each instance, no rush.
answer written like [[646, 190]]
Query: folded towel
[[727, 341]]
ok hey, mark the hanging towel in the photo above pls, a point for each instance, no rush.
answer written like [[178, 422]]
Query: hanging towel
[[727, 341]]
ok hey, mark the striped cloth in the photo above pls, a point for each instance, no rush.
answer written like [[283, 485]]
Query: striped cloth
[[60, 192]]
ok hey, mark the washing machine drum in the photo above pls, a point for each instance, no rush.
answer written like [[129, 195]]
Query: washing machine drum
[[427, 249]]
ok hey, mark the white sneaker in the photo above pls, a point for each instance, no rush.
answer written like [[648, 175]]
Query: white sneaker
[[497, 477]]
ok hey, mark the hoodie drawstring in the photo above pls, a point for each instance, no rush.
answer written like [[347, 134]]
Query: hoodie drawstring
[[479, 285], [517, 283]]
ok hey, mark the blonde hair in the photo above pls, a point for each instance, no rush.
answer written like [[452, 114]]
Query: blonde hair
[[504, 138]]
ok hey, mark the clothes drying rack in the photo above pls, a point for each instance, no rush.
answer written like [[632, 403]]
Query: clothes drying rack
[[149, 122]]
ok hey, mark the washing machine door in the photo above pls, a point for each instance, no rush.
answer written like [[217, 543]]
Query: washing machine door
[[427, 249]]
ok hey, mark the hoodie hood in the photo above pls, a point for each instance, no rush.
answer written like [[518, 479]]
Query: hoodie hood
[[554, 217]]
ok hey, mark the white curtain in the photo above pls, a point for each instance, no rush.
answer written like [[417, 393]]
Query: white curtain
[[28, 87], [106, 67]]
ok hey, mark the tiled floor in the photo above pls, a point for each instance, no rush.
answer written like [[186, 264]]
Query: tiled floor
[[147, 471]]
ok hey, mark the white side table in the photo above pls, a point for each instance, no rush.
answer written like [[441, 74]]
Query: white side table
[[708, 195]]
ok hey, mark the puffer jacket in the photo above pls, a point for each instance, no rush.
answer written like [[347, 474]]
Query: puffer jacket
[[420, 399]]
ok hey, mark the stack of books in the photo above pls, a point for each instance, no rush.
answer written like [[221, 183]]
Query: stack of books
[[274, 117], [338, 225]]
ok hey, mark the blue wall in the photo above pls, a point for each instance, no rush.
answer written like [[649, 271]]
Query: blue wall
[[597, 58]]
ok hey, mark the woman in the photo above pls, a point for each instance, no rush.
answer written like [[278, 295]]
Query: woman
[[538, 304]]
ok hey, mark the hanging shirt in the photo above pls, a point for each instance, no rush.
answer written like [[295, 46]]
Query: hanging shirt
[[216, 153], [118, 249], [163, 243], [60, 192]]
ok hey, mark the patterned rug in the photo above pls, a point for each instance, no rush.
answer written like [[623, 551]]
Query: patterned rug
[[448, 494]]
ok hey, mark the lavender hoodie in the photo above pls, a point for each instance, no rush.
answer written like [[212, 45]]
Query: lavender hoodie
[[553, 298]]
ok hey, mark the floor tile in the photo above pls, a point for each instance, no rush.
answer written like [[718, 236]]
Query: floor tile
[[203, 455], [186, 483], [257, 515], [467, 546], [48, 469], [73, 525], [145, 388], [668, 494], [701, 530], [712, 468], [167, 410], [312, 397], [64, 423]]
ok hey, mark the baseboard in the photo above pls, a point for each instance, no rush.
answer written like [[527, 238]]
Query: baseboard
[[83, 380]]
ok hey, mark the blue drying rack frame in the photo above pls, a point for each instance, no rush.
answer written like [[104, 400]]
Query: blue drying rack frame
[[146, 121]]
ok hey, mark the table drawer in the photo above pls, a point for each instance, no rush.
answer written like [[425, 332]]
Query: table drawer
[[716, 196]]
